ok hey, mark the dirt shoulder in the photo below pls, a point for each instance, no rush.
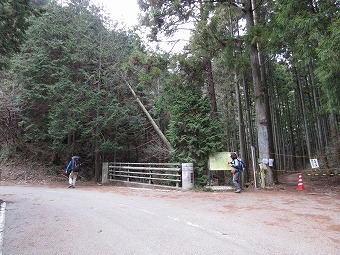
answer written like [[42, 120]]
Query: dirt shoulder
[[36, 175]]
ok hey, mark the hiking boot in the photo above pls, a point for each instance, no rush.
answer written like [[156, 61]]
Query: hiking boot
[[70, 186], [238, 191]]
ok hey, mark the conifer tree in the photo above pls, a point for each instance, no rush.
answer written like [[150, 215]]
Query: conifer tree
[[70, 92]]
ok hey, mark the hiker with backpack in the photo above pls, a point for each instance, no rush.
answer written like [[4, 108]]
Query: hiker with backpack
[[236, 169], [72, 171]]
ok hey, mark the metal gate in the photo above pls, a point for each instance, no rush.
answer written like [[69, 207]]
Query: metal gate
[[156, 174]]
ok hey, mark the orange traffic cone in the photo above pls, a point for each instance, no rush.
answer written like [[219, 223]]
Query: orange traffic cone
[[300, 184]]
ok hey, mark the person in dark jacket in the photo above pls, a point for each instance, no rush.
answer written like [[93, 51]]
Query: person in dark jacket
[[235, 170], [72, 170]]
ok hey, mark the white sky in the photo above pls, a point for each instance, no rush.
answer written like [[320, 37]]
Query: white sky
[[125, 11]]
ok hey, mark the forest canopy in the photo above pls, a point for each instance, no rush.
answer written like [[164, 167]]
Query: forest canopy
[[255, 75]]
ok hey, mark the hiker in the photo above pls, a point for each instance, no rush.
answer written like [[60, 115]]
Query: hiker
[[72, 170], [235, 170]]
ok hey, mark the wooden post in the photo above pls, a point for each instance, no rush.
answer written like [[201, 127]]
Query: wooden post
[[253, 155]]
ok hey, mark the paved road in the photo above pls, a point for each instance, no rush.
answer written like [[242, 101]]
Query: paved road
[[90, 221]]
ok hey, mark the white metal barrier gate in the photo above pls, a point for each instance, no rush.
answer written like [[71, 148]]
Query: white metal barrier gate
[[156, 174]]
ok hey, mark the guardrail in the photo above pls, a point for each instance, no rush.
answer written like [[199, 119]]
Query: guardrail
[[156, 174]]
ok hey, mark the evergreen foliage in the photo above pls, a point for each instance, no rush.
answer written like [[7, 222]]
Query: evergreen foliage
[[328, 65], [14, 20], [272, 85], [70, 73], [192, 131], [289, 43]]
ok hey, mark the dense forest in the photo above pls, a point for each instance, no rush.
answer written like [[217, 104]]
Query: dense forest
[[258, 77]]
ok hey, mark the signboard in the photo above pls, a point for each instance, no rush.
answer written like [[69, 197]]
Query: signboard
[[314, 163], [219, 161]]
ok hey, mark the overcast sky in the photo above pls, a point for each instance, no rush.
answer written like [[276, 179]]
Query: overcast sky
[[120, 10], [126, 11]]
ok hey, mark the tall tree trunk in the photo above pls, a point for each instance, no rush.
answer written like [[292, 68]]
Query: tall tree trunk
[[153, 123], [268, 104], [248, 123], [241, 131], [291, 135], [240, 120], [320, 137], [208, 68], [96, 135], [211, 88], [303, 112], [213, 103], [261, 109]]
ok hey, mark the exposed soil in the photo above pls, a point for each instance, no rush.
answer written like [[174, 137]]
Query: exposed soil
[[13, 174]]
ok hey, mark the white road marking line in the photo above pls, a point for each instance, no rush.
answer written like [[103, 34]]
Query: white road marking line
[[2, 224]]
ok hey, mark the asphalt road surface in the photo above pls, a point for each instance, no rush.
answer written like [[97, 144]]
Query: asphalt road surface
[[121, 220]]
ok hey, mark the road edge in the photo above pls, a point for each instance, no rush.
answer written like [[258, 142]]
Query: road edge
[[2, 224]]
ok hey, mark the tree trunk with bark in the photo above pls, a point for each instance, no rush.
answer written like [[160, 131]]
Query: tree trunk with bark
[[261, 107], [211, 88]]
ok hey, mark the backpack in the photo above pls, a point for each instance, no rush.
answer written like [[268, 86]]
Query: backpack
[[242, 166], [76, 163]]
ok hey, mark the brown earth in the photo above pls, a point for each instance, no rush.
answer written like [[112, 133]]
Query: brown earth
[[35, 174]]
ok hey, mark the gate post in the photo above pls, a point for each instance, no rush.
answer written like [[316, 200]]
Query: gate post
[[105, 172], [187, 175]]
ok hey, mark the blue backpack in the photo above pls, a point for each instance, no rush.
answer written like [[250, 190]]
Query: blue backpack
[[242, 166]]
